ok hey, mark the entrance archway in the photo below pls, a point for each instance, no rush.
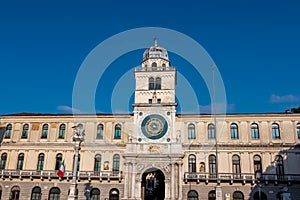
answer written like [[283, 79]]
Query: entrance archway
[[259, 196], [153, 185]]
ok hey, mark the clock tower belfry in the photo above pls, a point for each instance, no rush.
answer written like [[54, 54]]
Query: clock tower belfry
[[155, 79], [154, 105], [154, 151]]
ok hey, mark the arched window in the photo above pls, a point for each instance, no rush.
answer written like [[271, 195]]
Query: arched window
[[158, 83], [164, 66], [234, 131], [97, 164], [211, 131], [212, 195], [192, 195], [117, 134], [62, 131], [15, 193], [25, 131], [279, 167], [151, 83], [58, 161], [114, 194], [237, 195], [191, 131], [40, 164], [275, 131], [254, 131], [192, 163], [116, 163], [154, 66], [236, 167], [8, 131], [54, 193], [100, 129], [20, 161], [257, 166], [298, 130], [95, 194], [44, 131], [36, 193], [3, 160], [212, 165]]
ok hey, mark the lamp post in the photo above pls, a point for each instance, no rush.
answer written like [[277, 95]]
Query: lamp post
[[78, 137]]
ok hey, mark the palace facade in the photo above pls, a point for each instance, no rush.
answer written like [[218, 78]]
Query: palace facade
[[153, 153]]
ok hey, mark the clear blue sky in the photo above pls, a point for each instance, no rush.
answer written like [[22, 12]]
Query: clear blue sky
[[255, 45]]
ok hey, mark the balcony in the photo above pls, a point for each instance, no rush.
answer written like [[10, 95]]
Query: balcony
[[240, 178], [151, 69], [46, 174]]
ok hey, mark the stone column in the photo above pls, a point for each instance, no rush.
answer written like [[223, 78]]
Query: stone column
[[126, 181], [73, 187], [180, 180], [172, 181], [219, 192], [133, 175]]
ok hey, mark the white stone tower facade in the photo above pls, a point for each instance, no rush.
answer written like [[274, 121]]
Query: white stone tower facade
[[153, 159]]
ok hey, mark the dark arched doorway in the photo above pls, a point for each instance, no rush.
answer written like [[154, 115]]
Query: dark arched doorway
[[114, 194], [153, 185], [259, 196], [15, 193]]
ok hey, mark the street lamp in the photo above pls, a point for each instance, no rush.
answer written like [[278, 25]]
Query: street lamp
[[78, 137]]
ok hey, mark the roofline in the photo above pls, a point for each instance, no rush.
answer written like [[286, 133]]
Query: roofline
[[25, 114]]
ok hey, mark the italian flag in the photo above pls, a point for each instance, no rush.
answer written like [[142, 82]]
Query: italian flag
[[61, 170]]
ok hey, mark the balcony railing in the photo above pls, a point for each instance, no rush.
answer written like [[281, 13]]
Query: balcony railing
[[151, 69], [242, 177], [46, 174]]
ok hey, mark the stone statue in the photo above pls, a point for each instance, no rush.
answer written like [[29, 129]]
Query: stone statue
[[79, 132]]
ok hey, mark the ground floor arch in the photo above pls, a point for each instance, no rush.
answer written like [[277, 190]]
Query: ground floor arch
[[15, 193], [153, 185], [259, 196], [114, 194]]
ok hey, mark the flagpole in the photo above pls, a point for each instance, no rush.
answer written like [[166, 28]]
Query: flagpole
[[218, 187]]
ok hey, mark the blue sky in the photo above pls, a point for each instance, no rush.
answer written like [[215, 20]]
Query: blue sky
[[255, 45]]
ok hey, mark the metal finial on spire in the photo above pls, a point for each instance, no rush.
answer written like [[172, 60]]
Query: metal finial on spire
[[155, 41]]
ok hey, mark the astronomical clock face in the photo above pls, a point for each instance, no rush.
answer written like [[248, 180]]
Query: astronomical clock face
[[154, 126]]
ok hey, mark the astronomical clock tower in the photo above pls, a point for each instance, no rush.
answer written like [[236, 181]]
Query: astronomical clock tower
[[153, 157]]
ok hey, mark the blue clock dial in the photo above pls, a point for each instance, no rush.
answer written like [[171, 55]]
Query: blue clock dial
[[154, 126]]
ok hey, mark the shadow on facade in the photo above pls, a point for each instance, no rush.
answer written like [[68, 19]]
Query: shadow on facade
[[281, 179], [87, 190]]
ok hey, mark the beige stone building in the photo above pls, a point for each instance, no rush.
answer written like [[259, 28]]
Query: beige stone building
[[153, 153]]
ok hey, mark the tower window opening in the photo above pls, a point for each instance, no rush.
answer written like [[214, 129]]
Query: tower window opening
[[151, 83], [154, 84], [154, 66], [158, 83]]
